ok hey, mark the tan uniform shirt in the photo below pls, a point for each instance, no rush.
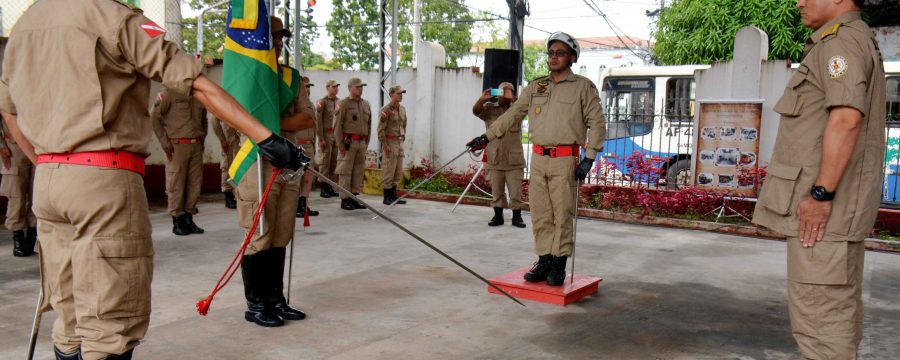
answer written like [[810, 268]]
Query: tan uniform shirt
[[842, 66], [325, 117], [506, 153], [301, 104], [392, 122], [224, 132], [176, 116], [352, 117], [84, 118], [558, 114]]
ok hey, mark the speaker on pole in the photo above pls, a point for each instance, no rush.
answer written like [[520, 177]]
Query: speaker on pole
[[501, 65]]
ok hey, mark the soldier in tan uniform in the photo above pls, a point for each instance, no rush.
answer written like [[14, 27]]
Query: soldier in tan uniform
[[823, 185], [504, 159], [307, 140], [391, 134], [16, 185], [84, 120], [230, 142], [561, 107], [352, 126], [328, 148], [262, 267], [180, 124]]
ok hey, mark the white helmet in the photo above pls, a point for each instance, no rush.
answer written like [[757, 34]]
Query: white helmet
[[565, 39]]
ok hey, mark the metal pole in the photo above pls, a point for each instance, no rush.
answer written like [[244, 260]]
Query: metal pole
[[394, 44], [36, 323], [200, 24], [575, 231], [471, 182], [296, 42]]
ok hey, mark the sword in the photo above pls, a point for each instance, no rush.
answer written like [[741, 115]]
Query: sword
[[410, 191], [36, 324], [575, 230], [414, 235]]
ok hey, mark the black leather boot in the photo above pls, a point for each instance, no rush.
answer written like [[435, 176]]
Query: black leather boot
[[179, 226], [67, 356], [277, 302], [387, 197], [325, 191], [347, 204], [517, 219], [557, 275], [356, 204], [540, 270], [31, 236], [124, 356], [230, 201], [189, 221], [395, 197], [497, 220], [332, 191], [256, 289], [20, 244], [302, 207]]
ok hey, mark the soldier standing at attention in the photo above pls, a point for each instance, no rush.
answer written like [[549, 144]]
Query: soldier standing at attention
[[504, 159], [89, 146], [561, 107], [306, 139], [230, 142], [16, 185], [823, 185], [328, 148], [391, 133], [352, 126], [179, 122], [263, 264]]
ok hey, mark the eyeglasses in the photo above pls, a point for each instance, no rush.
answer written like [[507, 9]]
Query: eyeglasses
[[558, 53]]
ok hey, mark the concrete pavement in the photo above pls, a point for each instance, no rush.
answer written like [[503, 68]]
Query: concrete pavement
[[372, 292]]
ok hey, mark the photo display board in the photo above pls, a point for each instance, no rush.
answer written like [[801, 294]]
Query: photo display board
[[727, 145]]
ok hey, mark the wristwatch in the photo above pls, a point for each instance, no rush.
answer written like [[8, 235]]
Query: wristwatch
[[819, 193]]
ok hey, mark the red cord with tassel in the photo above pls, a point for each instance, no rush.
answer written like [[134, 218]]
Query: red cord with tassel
[[308, 185], [203, 305]]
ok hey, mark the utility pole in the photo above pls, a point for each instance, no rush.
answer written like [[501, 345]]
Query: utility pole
[[417, 27], [387, 61], [518, 9]]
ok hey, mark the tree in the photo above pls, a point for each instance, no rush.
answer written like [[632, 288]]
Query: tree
[[446, 22], [354, 33], [534, 62], [702, 31], [213, 30]]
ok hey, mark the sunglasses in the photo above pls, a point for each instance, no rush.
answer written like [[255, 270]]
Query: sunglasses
[[558, 53]]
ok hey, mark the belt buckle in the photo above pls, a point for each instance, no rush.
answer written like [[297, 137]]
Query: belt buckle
[[553, 152]]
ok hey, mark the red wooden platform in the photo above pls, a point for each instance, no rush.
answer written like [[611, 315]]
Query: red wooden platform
[[569, 292]]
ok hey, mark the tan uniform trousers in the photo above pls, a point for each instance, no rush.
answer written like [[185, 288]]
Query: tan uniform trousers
[[280, 211], [96, 256], [552, 200], [501, 180], [227, 159], [306, 180], [16, 186], [184, 177], [351, 167], [825, 297], [327, 160], [392, 163]]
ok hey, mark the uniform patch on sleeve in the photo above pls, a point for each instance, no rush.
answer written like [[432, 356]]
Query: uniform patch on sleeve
[[837, 66], [319, 104], [152, 29]]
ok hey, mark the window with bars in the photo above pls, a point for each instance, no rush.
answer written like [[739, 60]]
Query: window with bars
[[893, 99], [680, 94]]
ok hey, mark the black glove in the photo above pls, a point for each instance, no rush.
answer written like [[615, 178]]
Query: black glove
[[282, 153], [478, 143], [584, 167]]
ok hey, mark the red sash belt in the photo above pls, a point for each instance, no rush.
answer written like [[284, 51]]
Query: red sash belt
[[184, 140], [557, 151], [393, 138], [116, 159], [304, 142], [355, 137]]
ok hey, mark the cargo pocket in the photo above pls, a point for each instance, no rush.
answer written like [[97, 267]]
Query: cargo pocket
[[121, 271], [778, 189], [791, 103], [516, 155], [823, 264], [492, 153]]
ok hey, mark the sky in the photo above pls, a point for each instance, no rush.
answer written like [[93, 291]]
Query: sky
[[572, 16]]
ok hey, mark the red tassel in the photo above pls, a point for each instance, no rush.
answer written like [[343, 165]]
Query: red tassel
[[306, 217], [203, 306]]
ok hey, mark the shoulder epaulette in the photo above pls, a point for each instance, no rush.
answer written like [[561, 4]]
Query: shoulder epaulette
[[831, 31]]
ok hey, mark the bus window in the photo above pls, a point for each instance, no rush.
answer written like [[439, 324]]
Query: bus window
[[628, 105], [893, 99], [680, 94]]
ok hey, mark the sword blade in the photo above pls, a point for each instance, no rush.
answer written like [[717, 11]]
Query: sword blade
[[417, 237], [36, 324], [410, 191]]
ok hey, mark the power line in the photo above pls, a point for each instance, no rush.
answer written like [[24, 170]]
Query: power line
[[613, 27]]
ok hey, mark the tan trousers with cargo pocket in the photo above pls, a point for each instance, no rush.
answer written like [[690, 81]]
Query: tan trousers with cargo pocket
[[184, 177], [502, 180], [280, 211], [552, 199], [351, 167], [96, 256], [16, 186], [327, 160], [391, 163]]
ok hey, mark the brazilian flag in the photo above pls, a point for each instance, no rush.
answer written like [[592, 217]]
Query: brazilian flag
[[250, 73]]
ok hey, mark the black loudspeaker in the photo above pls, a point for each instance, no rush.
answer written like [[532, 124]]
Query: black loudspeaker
[[501, 65]]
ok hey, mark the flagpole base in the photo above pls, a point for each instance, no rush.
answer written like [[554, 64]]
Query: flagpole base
[[570, 292]]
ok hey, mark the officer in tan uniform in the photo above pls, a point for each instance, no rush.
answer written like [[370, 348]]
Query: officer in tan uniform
[[84, 120], [352, 126], [179, 122], [16, 185], [306, 139], [561, 107], [823, 185], [504, 159], [230, 142], [262, 267], [328, 148], [391, 134]]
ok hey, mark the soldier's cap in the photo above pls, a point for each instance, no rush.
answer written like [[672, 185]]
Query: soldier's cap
[[278, 26], [356, 82], [331, 83], [506, 85], [396, 89], [306, 81]]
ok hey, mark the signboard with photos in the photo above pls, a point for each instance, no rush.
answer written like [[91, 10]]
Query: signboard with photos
[[727, 145]]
